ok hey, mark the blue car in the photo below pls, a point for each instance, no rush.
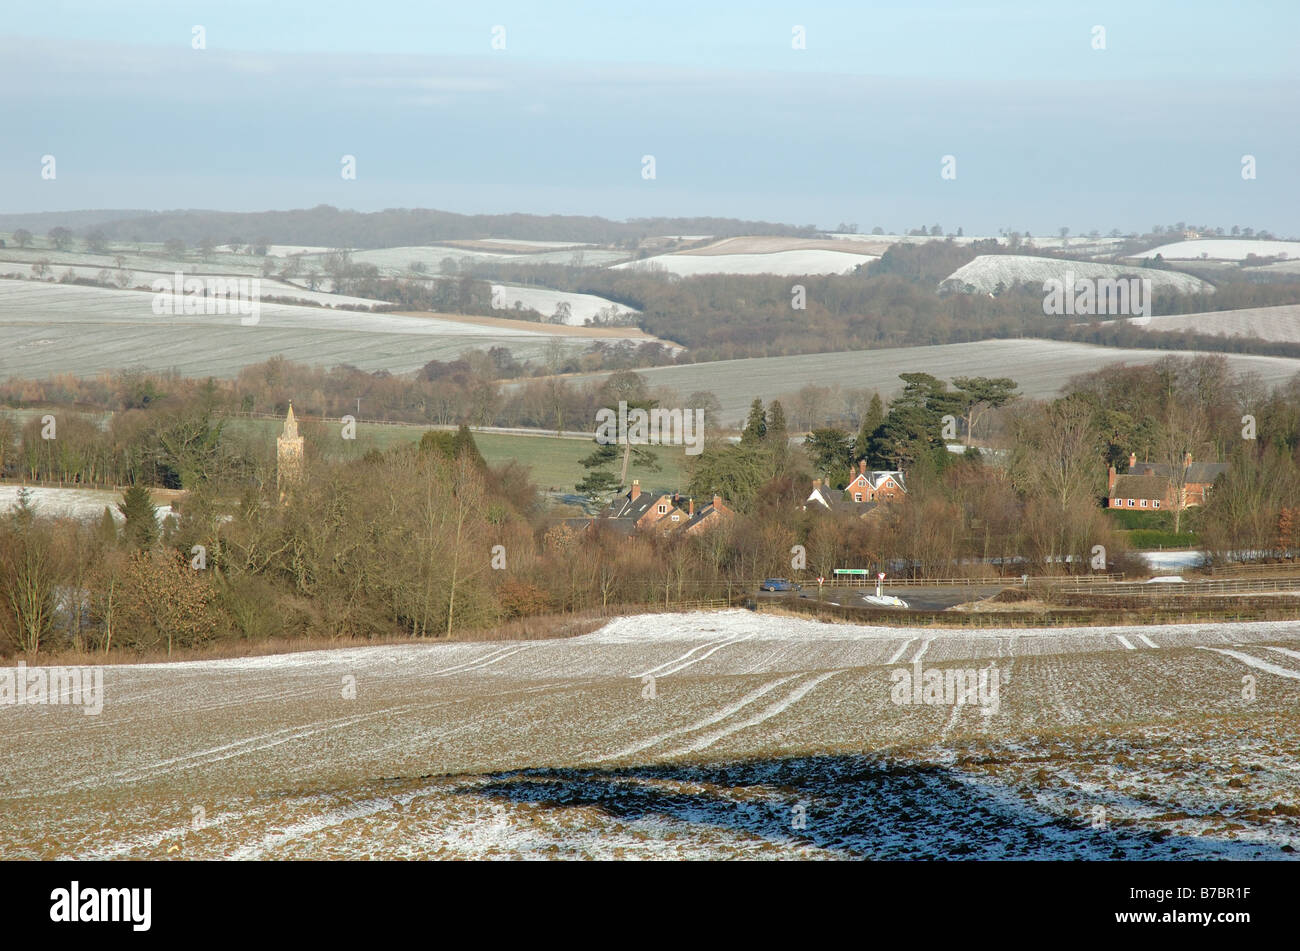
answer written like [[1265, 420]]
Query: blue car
[[778, 584]]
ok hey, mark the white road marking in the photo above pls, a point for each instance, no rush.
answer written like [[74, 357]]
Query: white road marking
[[1150, 643], [1283, 650], [921, 653], [1125, 641]]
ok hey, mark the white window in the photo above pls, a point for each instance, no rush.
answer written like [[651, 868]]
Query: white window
[[1156, 503], [857, 496], [1144, 503], [677, 518], [663, 509], [1130, 503]]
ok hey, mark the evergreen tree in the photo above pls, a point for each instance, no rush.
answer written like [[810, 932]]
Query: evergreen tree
[[601, 480], [463, 444], [870, 428], [830, 451], [776, 425], [438, 441], [141, 514], [756, 425], [106, 533]]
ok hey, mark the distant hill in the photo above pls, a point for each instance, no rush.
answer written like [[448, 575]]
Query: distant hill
[[326, 226], [42, 221]]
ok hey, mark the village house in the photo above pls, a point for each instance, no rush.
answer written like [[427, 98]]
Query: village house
[[665, 512], [1148, 485], [865, 491]]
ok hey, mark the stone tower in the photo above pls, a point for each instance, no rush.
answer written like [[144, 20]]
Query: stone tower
[[288, 455]]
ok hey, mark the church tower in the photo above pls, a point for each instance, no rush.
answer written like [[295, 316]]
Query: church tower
[[288, 455]]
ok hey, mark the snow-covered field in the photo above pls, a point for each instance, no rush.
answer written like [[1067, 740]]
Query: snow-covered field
[[83, 504], [526, 243], [582, 307], [1081, 244], [1223, 249], [66, 328], [396, 262], [270, 287], [987, 271], [809, 261], [722, 734], [290, 250], [1040, 367], [1280, 323]]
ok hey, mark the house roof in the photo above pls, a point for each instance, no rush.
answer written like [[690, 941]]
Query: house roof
[[622, 514], [700, 515], [1197, 472], [625, 507], [880, 477], [1140, 487], [838, 500]]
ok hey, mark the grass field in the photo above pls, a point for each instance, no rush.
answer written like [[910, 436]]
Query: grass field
[[553, 461]]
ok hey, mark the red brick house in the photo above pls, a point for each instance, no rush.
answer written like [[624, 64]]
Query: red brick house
[[884, 485], [863, 493], [638, 511], [1148, 485]]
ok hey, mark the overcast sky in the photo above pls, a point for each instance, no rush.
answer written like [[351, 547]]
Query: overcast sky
[[1046, 130]]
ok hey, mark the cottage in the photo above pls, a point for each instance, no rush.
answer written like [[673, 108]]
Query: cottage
[[884, 485], [638, 511], [1150, 485], [838, 501], [865, 491]]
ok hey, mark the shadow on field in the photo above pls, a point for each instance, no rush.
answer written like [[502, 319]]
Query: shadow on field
[[845, 806]]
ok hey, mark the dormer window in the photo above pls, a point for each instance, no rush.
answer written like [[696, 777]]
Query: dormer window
[[663, 509]]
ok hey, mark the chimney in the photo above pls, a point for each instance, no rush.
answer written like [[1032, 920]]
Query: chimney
[[1132, 459], [717, 500], [636, 489], [817, 484], [1110, 480], [862, 466], [1187, 460], [690, 511]]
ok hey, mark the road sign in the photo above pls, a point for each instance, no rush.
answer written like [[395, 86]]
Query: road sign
[[819, 582], [880, 575]]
